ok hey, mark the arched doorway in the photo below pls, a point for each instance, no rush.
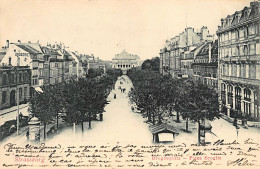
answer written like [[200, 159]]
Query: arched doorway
[[12, 98]]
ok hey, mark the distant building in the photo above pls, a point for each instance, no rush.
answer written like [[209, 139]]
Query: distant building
[[205, 66], [177, 55], [239, 58], [53, 66], [125, 61], [12, 79]]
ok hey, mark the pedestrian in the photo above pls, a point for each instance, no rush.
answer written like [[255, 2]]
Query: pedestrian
[[237, 128], [235, 122], [27, 134], [114, 96]]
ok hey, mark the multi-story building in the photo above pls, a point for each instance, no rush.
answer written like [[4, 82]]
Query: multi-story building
[[205, 64], [53, 65], [125, 61], [14, 80], [179, 49], [27, 54], [239, 58]]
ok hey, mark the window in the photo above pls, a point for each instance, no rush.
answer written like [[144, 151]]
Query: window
[[252, 50], [3, 97], [247, 105], [241, 51], [20, 77], [234, 71], [20, 93], [251, 30], [252, 71], [243, 70], [238, 98], [245, 50], [12, 78], [241, 33], [25, 92], [247, 94], [4, 79], [223, 93], [233, 35], [230, 95], [25, 78]]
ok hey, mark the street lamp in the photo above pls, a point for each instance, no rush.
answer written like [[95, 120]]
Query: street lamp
[[17, 95]]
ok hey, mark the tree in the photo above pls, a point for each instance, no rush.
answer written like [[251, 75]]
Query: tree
[[151, 64], [40, 107], [202, 104], [71, 102]]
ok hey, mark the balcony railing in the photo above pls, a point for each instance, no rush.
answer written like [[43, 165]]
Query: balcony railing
[[241, 58], [241, 80]]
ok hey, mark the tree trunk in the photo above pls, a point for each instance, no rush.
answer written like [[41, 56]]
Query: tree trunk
[[74, 129], [153, 118], [82, 126], [57, 122], [159, 118], [89, 121], [199, 132], [44, 131], [178, 116], [187, 124], [149, 115]]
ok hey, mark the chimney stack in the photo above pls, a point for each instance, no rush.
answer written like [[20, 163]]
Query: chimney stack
[[7, 43]]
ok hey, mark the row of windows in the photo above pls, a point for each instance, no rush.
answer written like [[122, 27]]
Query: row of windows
[[22, 77], [240, 33], [247, 49], [21, 93], [242, 70]]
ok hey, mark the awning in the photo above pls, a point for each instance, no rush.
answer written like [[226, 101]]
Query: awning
[[38, 89]]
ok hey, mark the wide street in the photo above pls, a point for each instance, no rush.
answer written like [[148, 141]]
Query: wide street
[[121, 125]]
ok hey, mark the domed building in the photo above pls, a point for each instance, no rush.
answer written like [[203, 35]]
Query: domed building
[[125, 61]]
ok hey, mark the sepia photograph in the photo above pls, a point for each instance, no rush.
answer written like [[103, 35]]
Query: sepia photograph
[[130, 84]]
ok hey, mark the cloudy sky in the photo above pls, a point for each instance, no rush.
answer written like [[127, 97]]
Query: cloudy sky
[[106, 27]]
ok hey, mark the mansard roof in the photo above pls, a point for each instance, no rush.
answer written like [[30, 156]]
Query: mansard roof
[[240, 17], [125, 56], [204, 51]]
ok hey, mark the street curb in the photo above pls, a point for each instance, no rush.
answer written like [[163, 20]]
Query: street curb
[[12, 111]]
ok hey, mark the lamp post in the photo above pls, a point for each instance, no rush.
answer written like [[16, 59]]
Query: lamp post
[[17, 93]]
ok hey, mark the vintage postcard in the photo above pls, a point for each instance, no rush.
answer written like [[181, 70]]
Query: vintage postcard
[[130, 84]]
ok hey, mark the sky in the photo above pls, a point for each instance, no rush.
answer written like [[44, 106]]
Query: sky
[[107, 27]]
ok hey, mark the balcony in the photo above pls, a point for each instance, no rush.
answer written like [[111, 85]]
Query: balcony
[[242, 58], [242, 80]]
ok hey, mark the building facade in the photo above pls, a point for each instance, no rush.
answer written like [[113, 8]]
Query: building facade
[[14, 80], [239, 58], [176, 57], [125, 61], [27, 54], [205, 66]]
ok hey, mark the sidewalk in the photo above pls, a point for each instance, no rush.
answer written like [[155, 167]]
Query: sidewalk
[[22, 139], [11, 113], [12, 109]]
